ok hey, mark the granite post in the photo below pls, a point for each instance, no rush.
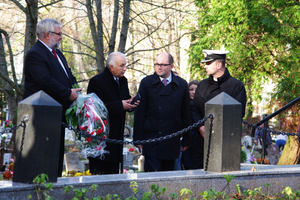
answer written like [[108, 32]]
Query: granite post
[[225, 145], [39, 151]]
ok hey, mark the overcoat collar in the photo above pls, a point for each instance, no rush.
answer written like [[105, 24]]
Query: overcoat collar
[[221, 79], [156, 79]]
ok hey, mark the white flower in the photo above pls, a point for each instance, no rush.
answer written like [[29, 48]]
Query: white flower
[[4, 136]]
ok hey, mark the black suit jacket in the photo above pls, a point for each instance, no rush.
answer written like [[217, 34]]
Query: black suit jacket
[[44, 72], [107, 89]]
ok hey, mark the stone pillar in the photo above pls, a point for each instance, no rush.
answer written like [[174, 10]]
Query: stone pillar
[[40, 150], [225, 145]]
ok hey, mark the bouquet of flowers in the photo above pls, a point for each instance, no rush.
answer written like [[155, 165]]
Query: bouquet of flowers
[[8, 124], [90, 115]]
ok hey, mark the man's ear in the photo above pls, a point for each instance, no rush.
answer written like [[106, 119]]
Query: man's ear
[[219, 65], [47, 35], [172, 65]]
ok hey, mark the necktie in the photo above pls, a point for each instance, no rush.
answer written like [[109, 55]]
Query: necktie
[[165, 81], [55, 55], [54, 52], [117, 80]]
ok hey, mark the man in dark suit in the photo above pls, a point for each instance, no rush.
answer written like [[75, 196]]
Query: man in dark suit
[[163, 110], [46, 69], [112, 88]]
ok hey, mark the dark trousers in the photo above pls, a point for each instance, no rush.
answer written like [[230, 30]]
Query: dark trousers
[[198, 154], [98, 166], [153, 165]]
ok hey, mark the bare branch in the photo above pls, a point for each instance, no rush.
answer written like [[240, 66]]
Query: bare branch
[[80, 53], [157, 28], [49, 4], [11, 83], [154, 49], [10, 54], [82, 43], [19, 5]]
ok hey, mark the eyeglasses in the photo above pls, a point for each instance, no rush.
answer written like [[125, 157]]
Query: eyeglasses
[[59, 34], [161, 65], [210, 62]]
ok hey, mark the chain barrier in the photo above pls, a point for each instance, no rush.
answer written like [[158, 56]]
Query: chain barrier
[[15, 127], [249, 125], [85, 134], [209, 141]]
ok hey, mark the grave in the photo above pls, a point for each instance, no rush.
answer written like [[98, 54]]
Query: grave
[[72, 162]]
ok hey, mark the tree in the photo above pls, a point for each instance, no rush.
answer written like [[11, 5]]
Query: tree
[[262, 37]]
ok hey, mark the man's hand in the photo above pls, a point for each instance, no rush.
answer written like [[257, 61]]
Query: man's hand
[[202, 131], [183, 149], [127, 105], [73, 95]]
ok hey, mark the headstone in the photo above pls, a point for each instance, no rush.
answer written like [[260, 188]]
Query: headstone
[[39, 152], [72, 162], [225, 145], [273, 154], [6, 158]]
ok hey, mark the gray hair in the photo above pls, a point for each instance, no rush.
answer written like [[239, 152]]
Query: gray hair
[[47, 25], [111, 60]]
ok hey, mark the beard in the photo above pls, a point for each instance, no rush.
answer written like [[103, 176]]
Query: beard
[[53, 43]]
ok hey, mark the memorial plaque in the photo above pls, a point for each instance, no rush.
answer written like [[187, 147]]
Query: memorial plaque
[[72, 162], [6, 158]]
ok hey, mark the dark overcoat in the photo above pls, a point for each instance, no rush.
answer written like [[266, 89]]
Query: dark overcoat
[[107, 89], [163, 110], [206, 90]]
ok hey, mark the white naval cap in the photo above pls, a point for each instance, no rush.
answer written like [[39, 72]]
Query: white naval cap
[[211, 55]]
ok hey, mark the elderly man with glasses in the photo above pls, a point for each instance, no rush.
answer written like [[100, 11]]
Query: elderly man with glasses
[[163, 110], [46, 69], [219, 81]]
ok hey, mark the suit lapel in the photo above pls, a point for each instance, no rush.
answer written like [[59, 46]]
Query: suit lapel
[[62, 58]]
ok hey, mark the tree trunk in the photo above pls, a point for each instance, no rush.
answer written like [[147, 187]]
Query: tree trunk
[[100, 35], [31, 12], [112, 41], [97, 47], [125, 26], [7, 89], [291, 152]]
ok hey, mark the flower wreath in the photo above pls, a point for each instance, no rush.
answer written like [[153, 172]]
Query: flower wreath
[[90, 115]]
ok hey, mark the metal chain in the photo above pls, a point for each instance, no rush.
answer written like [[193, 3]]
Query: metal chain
[[23, 124], [15, 127], [249, 125], [85, 134], [209, 142]]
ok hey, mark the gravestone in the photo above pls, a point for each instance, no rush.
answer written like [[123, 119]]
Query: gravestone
[[273, 154], [37, 151], [224, 149], [6, 158], [72, 162]]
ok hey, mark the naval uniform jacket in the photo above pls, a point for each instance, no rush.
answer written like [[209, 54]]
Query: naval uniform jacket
[[206, 90], [163, 110], [107, 89], [44, 72]]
